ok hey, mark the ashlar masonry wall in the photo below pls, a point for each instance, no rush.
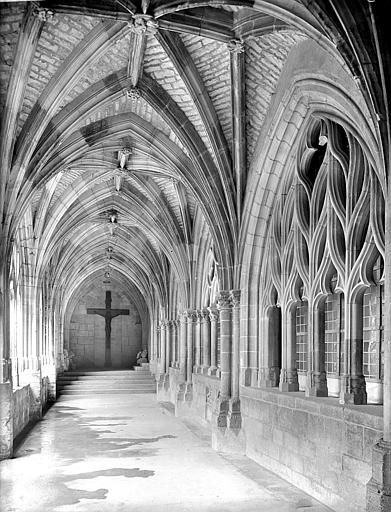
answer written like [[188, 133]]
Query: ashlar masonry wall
[[321, 446], [87, 332]]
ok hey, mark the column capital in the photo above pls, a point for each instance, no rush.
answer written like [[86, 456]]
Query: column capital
[[204, 314], [224, 300], [143, 24], [213, 314], [43, 14], [133, 92], [235, 298], [199, 315], [190, 315]]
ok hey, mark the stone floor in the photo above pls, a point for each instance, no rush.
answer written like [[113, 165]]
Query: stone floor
[[119, 453]]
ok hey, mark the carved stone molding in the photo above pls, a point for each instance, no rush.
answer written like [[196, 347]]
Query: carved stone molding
[[224, 300], [190, 315], [235, 298], [235, 46], [133, 93], [123, 155], [43, 14], [143, 24], [213, 314]]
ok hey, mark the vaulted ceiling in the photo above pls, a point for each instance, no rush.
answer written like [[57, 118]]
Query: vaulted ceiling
[[118, 128]]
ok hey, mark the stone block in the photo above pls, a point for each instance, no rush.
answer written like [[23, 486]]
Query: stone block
[[331, 411], [284, 418], [278, 436], [291, 442], [307, 405], [354, 440], [356, 469], [316, 428], [371, 437], [361, 418], [6, 422], [299, 425]]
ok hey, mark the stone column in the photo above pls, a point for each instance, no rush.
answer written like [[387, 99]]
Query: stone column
[[205, 341], [224, 305], [168, 346], [191, 318], [197, 365], [379, 486], [289, 380], [316, 378], [162, 347], [182, 357], [174, 332], [182, 347], [235, 301], [269, 353], [353, 388], [156, 343], [34, 374], [213, 316], [234, 416]]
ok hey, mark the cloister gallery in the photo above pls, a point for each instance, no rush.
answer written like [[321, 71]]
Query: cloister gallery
[[207, 181]]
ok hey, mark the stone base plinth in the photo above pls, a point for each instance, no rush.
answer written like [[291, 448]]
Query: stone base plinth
[[227, 435], [379, 486], [6, 420]]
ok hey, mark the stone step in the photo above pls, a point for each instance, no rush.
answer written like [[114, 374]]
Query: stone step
[[106, 373], [76, 392], [92, 382], [122, 385], [87, 378]]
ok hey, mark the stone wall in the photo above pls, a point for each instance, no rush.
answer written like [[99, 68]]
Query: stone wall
[[21, 405], [87, 332], [321, 446]]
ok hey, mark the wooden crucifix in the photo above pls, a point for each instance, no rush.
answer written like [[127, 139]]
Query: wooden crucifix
[[107, 314]]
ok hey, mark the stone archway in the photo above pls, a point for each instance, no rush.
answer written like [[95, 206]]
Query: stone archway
[[87, 336]]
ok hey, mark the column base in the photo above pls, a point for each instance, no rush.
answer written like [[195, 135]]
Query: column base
[[316, 384], [353, 391], [197, 369], [234, 416], [288, 380], [6, 420], [166, 382], [246, 377], [180, 392], [221, 412], [227, 434], [379, 486], [212, 370], [205, 370], [188, 397]]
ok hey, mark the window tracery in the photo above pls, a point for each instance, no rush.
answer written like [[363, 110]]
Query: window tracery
[[325, 231]]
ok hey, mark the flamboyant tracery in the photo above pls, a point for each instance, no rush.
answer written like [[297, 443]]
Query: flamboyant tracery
[[220, 170]]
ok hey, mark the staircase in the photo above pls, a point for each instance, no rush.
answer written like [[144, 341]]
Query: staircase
[[96, 382]]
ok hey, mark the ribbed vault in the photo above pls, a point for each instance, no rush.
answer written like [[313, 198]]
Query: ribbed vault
[[131, 132]]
